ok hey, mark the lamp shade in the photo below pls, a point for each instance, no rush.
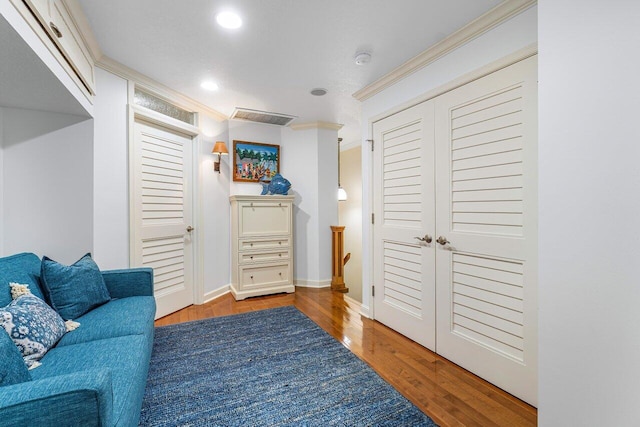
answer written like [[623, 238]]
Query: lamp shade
[[220, 148], [342, 195]]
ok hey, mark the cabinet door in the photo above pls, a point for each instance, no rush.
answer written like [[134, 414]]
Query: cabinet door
[[59, 25], [71, 44], [263, 218]]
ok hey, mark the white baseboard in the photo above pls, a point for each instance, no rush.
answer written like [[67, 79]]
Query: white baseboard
[[312, 283], [210, 296], [365, 311], [355, 304]]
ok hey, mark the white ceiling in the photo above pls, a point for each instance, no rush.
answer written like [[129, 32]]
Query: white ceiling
[[283, 50]]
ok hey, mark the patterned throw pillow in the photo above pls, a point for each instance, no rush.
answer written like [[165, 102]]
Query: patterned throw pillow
[[33, 326], [75, 289]]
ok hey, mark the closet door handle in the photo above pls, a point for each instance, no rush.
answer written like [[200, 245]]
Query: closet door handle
[[442, 240], [55, 30], [426, 238]]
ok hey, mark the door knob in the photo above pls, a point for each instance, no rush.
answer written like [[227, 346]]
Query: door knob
[[190, 229], [442, 240], [426, 238]]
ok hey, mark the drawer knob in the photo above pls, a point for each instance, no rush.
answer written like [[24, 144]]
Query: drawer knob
[[279, 243], [280, 273], [55, 30], [252, 277], [279, 204], [251, 257], [251, 244], [279, 254]]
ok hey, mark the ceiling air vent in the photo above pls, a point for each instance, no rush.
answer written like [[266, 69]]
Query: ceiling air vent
[[262, 116]]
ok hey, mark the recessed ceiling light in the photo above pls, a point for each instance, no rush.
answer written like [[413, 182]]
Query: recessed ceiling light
[[228, 20], [209, 85], [318, 91]]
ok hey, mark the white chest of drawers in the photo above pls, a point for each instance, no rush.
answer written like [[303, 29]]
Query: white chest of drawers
[[261, 245]]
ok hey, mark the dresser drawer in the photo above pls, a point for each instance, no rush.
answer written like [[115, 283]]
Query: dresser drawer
[[249, 257], [264, 276], [254, 244]]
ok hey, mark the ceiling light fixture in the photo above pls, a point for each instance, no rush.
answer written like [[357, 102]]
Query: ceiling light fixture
[[362, 58], [318, 91], [209, 85], [228, 20]]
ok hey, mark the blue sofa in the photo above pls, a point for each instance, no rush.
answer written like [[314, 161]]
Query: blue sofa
[[96, 374]]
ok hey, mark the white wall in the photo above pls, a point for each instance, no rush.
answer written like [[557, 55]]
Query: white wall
[[48, 184], [299, 165], [213, 206], [350, 212], [510, 36], [327, 199], [589, 227], [110, 172], [111, 189]]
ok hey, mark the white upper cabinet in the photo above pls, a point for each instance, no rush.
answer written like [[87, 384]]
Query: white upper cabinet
[[54, 25]]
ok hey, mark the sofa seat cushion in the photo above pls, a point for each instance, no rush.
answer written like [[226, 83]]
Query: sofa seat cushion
[[118, 317], [126, 357]]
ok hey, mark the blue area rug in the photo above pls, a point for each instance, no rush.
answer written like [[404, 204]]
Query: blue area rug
[[273, 367]]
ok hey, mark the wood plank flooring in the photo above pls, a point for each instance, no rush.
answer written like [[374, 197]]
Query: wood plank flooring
[[444, 391]]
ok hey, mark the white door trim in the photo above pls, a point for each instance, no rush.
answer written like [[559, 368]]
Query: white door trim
[[135, 111]]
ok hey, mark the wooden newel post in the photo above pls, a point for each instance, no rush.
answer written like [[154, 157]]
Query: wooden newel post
[[337, 259]]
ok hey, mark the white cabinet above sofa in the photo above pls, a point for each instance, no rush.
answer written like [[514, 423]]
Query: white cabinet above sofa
[[52, 22], [33, 73]]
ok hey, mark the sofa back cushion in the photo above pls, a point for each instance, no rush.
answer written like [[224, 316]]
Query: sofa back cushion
[[20, 268], [75, 289], [12, 369]]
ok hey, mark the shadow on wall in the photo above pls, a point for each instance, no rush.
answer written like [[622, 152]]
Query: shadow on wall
[[300, 225]]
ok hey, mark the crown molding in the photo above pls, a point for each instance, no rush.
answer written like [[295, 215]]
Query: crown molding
[[316, 125], [158, 88], [473, 29], [86, 33]]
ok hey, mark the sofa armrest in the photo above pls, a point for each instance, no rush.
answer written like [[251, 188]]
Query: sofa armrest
[[130, 282], [81, 398]]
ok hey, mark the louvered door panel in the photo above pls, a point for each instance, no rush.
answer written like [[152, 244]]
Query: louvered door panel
[[492, 165], [163, 213], [402, 182], [496, 284]]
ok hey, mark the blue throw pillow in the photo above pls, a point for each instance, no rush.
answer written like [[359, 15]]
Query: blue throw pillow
[[33, 326], [12, 369], [73, 289]]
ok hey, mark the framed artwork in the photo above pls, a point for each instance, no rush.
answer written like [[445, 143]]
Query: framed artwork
[[255, 162]]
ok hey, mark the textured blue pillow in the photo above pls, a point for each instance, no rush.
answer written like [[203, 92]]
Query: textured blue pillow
[[73, 289], [12, 369], [33, 326]]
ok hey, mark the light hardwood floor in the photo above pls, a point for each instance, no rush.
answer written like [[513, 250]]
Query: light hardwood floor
[[444, 391]]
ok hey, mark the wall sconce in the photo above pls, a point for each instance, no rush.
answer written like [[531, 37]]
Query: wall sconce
[[221, 150]]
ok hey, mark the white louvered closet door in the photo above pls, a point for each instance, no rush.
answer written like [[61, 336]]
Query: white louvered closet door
[[162, 210], [403, 207], [486, 207]]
